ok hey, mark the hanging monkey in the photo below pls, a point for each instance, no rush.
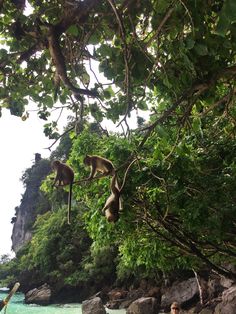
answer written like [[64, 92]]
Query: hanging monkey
[[64, 176], [100, 164], [113, 204]]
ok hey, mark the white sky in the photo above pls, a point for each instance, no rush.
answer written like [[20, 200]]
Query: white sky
[[19, 141]]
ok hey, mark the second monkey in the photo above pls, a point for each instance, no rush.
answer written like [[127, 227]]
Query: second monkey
[[64, 176], [99, 164]]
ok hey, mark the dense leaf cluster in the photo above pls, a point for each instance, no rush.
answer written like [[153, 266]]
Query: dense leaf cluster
[[125, 55]]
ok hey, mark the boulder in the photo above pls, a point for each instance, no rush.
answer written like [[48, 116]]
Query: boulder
[[116, 297], [214, 287], [143, 306], [181, 292], [113, 305], [206, 311], [41, 295], [93, 306], [135, 294], [117, 294], [125, 304], [228, 304], [154, 292], [226, 283]]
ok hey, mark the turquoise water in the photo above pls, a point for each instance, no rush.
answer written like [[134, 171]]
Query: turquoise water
[[17, 306]]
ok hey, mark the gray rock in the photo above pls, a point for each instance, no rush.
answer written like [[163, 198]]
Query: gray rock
[[93, 306], [228, 304], [214, 287], [41, 295], [180, 292], [206, 311], [20, 234], [226, 283], [143, 306]]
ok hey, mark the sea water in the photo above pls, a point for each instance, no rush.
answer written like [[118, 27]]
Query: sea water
[[17, 306]]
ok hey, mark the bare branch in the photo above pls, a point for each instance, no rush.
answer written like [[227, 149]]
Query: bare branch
[[67, 131]]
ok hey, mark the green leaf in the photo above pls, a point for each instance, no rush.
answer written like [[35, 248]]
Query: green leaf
[[230, 9], [190, 43], [201, 49], [73, 30], [223, 25], [85, 78], [108, 92], [197, 125], [227, 15], [94, 39], [166, 82], [3, 53]]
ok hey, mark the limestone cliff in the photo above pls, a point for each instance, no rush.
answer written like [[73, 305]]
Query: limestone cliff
[[33, 202]]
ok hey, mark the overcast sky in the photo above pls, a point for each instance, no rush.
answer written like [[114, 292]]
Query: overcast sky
[[19, 141]]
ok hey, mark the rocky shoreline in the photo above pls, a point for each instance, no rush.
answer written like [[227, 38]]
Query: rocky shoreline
[[212, 295]]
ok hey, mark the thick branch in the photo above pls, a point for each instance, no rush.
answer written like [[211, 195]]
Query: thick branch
[[75, 14], [25, 56], [59, 62]]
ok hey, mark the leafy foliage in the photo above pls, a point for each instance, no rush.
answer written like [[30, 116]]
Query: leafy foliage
[[172, 52], [55, 249]]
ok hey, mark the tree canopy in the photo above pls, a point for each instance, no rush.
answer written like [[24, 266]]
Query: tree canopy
[[168, 56], [109, 60]]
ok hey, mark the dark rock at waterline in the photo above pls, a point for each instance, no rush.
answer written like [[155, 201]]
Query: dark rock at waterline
[[182, 292], [93, 306], [40, 296], [143, 306]]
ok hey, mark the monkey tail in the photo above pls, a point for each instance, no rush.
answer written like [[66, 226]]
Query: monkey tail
[[125, 175], [69, 203]]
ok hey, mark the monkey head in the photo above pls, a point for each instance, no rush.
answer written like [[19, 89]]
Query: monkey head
[[55, 164], [87, 160]]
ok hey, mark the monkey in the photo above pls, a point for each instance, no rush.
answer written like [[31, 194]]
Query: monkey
[[112, 206], [113, 203], [100, 164], [64, 176]]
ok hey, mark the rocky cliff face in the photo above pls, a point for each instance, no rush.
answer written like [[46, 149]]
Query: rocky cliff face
[[33, 202], [20, 234]]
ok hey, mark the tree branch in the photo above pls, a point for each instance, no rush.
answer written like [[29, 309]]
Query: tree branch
[[197, 90], [166, 17], [59, 62]]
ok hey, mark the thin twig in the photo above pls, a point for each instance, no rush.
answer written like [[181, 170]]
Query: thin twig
[[126, 57], [67, 131], [157, 33]]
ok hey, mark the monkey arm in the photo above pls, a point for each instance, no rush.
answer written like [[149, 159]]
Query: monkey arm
[[55, 181], [108, 203], [92, 173]]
